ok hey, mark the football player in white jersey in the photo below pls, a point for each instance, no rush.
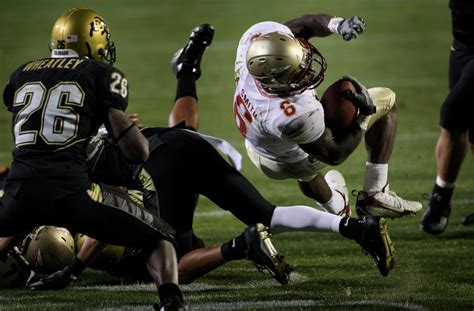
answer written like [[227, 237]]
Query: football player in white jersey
[[277, 111]]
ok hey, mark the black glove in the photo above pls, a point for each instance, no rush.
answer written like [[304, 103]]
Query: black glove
[[350, 28], [360, 98], [58, 280]]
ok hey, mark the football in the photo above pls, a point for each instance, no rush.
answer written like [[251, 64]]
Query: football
[[338, 111]]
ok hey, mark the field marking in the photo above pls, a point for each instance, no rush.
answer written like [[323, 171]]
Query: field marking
[[463, 201], [196, 287], [218, 213], [270, 304], [242, 305]]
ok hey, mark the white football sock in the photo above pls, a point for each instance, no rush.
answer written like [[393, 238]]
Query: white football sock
[[444, 184], [335, 204], [376, 177], [303, 218]]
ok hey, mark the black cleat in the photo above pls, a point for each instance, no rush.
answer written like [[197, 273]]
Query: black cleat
[[261, 251], [435, 218], [189, 57], [171, 304], [376, 242], [468, 220]]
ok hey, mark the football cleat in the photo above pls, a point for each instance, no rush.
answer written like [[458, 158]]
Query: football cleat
[[337, 182], [376, 242], [189, 57], [435, 218], [468, 220], [263, 254], [385, 204], [171, 304]]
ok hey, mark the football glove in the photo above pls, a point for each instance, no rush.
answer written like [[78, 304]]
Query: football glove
[[362, 100], [351, 28], [58, 280]]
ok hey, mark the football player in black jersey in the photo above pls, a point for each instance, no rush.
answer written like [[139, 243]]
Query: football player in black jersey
[[456, 120], [57, 104]]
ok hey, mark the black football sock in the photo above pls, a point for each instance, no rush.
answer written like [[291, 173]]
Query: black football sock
[[351, 228], [186, 85], [442, 195], [169, 290], [234, 249]]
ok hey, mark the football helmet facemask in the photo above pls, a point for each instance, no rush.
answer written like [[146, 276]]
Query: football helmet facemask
[[49, 249], [284, 65], [85, 32]]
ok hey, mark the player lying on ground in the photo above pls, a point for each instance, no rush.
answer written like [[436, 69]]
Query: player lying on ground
[[179, 159]]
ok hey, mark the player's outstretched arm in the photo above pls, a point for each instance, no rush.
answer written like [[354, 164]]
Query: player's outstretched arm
[[322, 25]]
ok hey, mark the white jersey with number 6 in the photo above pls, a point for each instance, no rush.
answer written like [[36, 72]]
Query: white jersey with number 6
[[272, 125]]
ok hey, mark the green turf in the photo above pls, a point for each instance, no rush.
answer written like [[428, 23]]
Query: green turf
[[405, 47]]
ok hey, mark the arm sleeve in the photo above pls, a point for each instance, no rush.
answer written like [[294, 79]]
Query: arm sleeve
[[305, 128]]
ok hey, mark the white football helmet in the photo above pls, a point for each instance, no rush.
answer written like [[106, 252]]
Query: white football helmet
[[285, 65], [49, 249]]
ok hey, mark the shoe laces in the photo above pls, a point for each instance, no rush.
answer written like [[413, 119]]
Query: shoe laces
[[394, 199]]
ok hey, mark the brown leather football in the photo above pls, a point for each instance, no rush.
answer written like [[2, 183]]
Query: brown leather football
[[338, 111]]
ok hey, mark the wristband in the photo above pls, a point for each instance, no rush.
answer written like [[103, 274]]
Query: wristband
[[334, 24], [121, 135]]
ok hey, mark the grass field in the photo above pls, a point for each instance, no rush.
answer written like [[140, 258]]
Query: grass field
[[405, 47]]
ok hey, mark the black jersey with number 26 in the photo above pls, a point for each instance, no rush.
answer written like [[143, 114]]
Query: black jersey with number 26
[[57, 105]]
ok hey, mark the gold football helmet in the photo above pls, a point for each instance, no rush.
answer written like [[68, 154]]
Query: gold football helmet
[[284, 65], [49, 249], [85, 32]]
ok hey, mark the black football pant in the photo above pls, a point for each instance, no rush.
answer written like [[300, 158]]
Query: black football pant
[[185, 166], [102, 212], [457, 111]]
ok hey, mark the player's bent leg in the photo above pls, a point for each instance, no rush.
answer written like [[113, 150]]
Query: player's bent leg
[[340, 193], [199, 262], [107, 214], [384, 100]]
